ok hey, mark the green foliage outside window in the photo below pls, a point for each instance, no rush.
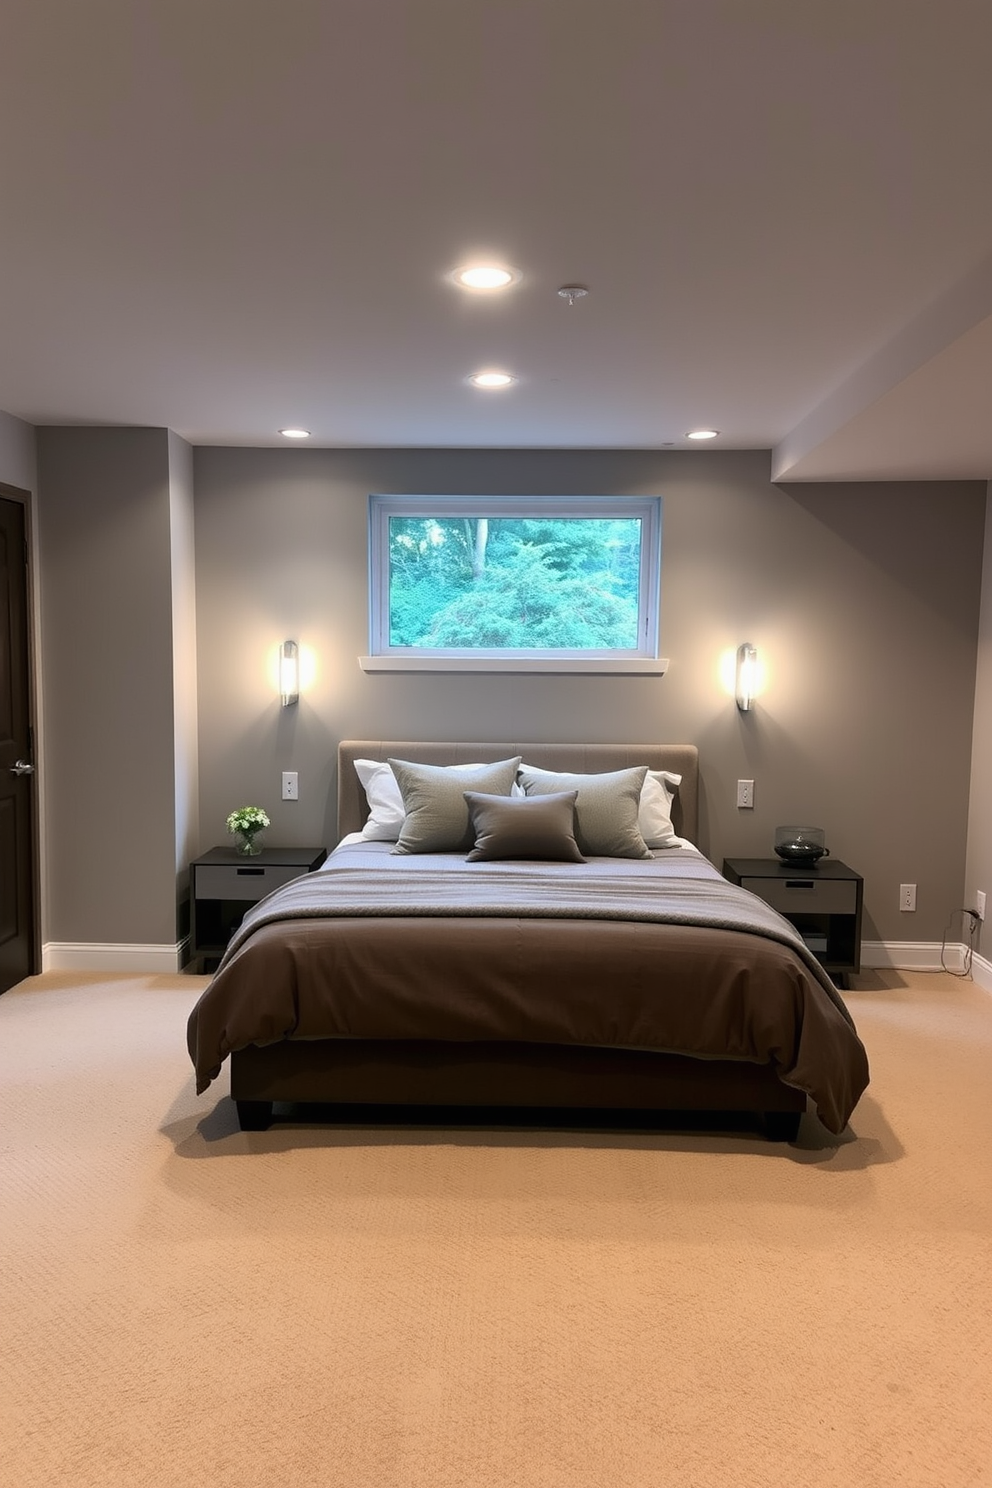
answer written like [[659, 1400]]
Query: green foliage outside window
[[514, 583]]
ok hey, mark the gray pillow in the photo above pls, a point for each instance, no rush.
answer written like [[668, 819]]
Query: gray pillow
[[605, 808], [434, 801], [524, 827]]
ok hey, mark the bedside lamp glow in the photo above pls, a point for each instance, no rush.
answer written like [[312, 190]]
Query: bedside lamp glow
[[746, 678], [289, 673]]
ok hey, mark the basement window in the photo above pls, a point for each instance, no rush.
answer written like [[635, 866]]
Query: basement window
[[519, 584]]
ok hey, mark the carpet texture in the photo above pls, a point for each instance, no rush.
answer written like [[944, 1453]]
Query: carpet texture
[[326, 1307]]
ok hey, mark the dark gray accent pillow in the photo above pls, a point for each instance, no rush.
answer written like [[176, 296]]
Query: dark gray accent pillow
[[524, 827], [605, 808], [434, 801]]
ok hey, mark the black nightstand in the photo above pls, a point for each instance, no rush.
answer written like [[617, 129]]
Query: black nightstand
[[223, 884], [823, 902]]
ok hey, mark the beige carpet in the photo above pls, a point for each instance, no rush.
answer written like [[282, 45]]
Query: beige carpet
[[322, 1308]]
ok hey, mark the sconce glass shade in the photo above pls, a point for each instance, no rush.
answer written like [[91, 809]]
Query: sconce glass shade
[[747, 676], [289, 673]]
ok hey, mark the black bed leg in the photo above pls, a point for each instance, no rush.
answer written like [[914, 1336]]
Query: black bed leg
[[782, 1126], [254, 1115]]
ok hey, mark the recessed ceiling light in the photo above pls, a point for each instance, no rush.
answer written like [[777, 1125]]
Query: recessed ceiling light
[[702, 433], [491, 379], [486, 276], [295, 433]]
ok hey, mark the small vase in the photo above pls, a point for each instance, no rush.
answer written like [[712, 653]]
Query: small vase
[[247, 845]]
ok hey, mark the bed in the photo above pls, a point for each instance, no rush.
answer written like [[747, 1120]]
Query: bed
[[415, 977]]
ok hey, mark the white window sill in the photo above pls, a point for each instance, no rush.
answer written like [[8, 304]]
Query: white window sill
[[629, 666]]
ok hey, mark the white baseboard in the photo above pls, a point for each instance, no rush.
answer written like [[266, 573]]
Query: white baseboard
[[981, 973], [911, 955], [70, 955], [922, 955]]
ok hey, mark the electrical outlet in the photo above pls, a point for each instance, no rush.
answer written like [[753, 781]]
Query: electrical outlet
[[290, 785], [745, 794], [907, 897], [980, 903]]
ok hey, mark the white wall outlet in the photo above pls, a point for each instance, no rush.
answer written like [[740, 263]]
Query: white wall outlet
[[907, 897], [745, 793], [980, 903], [290, 785]]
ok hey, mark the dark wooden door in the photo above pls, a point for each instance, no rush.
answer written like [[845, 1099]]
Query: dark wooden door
[[17, 785]]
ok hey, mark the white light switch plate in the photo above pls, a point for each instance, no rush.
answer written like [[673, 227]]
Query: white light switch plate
[[290, 785]]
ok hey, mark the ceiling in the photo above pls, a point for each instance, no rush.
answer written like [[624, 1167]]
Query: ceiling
[[226, 216]]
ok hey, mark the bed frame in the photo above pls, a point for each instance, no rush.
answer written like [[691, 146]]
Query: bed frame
[[435, 1075]]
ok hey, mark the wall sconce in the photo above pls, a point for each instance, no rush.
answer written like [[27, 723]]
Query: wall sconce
[[289, 673], [746, 680]]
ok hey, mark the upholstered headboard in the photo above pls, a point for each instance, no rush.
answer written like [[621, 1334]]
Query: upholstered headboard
[[682, 759]]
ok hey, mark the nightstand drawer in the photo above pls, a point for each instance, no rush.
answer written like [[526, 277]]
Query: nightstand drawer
[[805, 894], [247, 881]]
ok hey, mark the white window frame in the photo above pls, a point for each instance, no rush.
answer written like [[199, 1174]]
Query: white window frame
[[638, 660]]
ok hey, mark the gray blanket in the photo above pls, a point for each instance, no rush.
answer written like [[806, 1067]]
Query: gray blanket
[[675, 887]]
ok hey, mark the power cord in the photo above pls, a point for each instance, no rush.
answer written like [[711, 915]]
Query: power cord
[[972, 924]]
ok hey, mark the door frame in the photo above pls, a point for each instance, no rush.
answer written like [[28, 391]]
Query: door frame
[[26, 500]]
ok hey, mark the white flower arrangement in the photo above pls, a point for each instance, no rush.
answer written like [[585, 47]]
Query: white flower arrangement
[[247, 820]]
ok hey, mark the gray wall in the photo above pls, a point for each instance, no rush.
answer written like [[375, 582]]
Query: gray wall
[[107, 668], [978, 871], [17, 453], [862, 599], [185, 741]]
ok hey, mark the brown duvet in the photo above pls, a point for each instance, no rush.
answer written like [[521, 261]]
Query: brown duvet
[[654, 955]]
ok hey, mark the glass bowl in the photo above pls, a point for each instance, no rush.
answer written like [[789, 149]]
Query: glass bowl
[[800, 844]]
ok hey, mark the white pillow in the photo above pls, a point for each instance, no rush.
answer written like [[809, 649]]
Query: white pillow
[[654, 811], [386, 813], [654, 815]]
